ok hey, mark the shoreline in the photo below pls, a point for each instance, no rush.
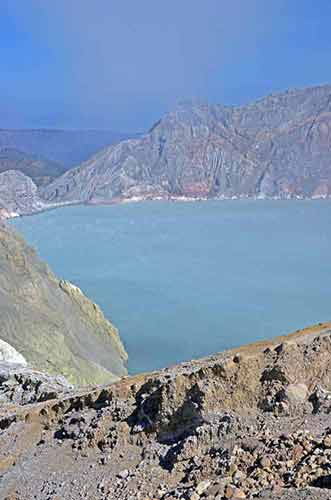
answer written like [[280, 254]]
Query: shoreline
[[10, 215]]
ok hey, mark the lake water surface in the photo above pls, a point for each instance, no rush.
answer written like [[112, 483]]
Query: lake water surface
[[183, 280]]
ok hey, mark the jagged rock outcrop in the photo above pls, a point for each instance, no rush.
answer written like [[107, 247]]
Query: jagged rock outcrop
[[22, 385], [50, 322], [277, 147], [18, 195], [253, 422]]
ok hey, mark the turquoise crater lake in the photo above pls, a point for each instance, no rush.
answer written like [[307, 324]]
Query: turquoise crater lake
[[183, 280]]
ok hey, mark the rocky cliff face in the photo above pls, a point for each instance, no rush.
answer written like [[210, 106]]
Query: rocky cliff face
[[253, 422], [50, 322], [18, 195], [277, 147]]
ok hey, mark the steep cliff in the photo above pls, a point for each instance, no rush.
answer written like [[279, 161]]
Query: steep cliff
[[51, 322], [277, 147]]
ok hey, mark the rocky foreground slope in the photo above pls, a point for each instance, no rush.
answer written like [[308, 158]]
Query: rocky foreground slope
[[277, 147], [50, 322], [247, 423]]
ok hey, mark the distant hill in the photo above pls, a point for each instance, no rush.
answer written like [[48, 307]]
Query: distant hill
[[277, 147], [67, 147], [40, 170]]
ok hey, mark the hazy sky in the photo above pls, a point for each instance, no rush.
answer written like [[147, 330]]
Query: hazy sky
[[121, 64]]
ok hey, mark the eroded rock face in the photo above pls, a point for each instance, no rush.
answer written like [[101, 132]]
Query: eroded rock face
[[248, 423], [18, 195], [54, 326], [277, 147]]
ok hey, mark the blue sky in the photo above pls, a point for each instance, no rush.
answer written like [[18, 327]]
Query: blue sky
[[121, 64]]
